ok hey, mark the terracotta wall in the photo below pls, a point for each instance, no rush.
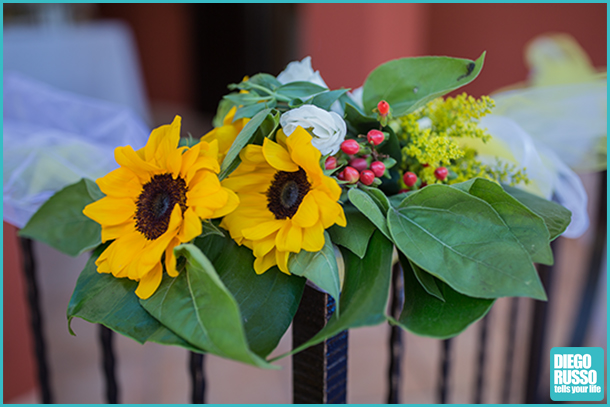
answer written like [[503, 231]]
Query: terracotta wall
[[346, 41], [18, 356]]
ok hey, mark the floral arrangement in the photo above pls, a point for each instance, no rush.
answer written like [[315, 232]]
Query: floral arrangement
[[208, 243]]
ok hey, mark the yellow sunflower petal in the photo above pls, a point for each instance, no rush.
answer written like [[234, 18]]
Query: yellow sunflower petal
[[313, 238], [280, 137], [282, 261], [162, 140], [170, 258], [111, 211], [264, 246], [329, 209], [261, 231], [229, 206], [111, 232], [174, 161], [150, 282], [264, 263], [188, 159], [128, 158], [120, 183], [191, 226], [252, 154], [294, 241], [278, 157], [154, 249], [308, 212]]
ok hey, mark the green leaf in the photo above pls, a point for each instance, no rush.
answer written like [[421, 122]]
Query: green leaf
[[243, 138], [425, 315], [265, 80], [427, 281], [60, 221], [325, 100], [391, 146], [357, 123], [556, 217], [300, 90], [251, 110], [379, 197], [461, 240], [369, 208], [528, 227], [409, 83], [198, 306], [356, 234], [319, 267], [365, 291], [112, 302], [224, 106], [267, 302]]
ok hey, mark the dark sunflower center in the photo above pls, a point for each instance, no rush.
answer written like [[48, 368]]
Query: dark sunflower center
[[286, 193], [156, 202]]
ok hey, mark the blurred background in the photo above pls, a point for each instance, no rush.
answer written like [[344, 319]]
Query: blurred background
[[160, 60]]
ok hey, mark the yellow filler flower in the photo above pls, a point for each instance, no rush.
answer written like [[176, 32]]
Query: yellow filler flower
[[286, 201], [154, 201]]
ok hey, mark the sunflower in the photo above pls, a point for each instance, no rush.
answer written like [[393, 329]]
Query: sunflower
[[227, 133], [154, 201], [286, 201]]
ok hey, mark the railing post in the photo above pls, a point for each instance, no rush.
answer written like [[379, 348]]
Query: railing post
[[29, 269], [443, 388], [108, 365], [319, 373], [197, 377], [396, 346]]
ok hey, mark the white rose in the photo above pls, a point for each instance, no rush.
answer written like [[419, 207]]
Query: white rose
[[301, 71], [327, 128]]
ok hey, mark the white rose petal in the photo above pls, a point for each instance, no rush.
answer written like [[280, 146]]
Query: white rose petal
[[301, 71], [328, 128]]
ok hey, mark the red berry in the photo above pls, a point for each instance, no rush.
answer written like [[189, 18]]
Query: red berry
[[425, 165], [383, 107], [359, 163], [378, 168], [330, 163], [441, 173], [341, 176], [367, 177], [409, 178], [350, 147], [375, 137], [350, 174], [404, 190]]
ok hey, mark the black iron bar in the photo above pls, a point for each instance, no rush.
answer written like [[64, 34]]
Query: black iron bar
[[478, 393], [319, 373], [510, 349], [29, 268], [443, 389], [396, 346], [109, 365], [197, 377], [588, 296]]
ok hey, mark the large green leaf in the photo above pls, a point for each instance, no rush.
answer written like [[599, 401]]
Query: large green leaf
[[326, 99], [60, 221], [426, 315], [409, 83], [365, 291], [555, 216], [300, 90], [243, 138], [356, 234], [369, 208], [319, 267], [110, 301], [461, 240], [528, 227], [267, 302], [427, 281], [198, 306]]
